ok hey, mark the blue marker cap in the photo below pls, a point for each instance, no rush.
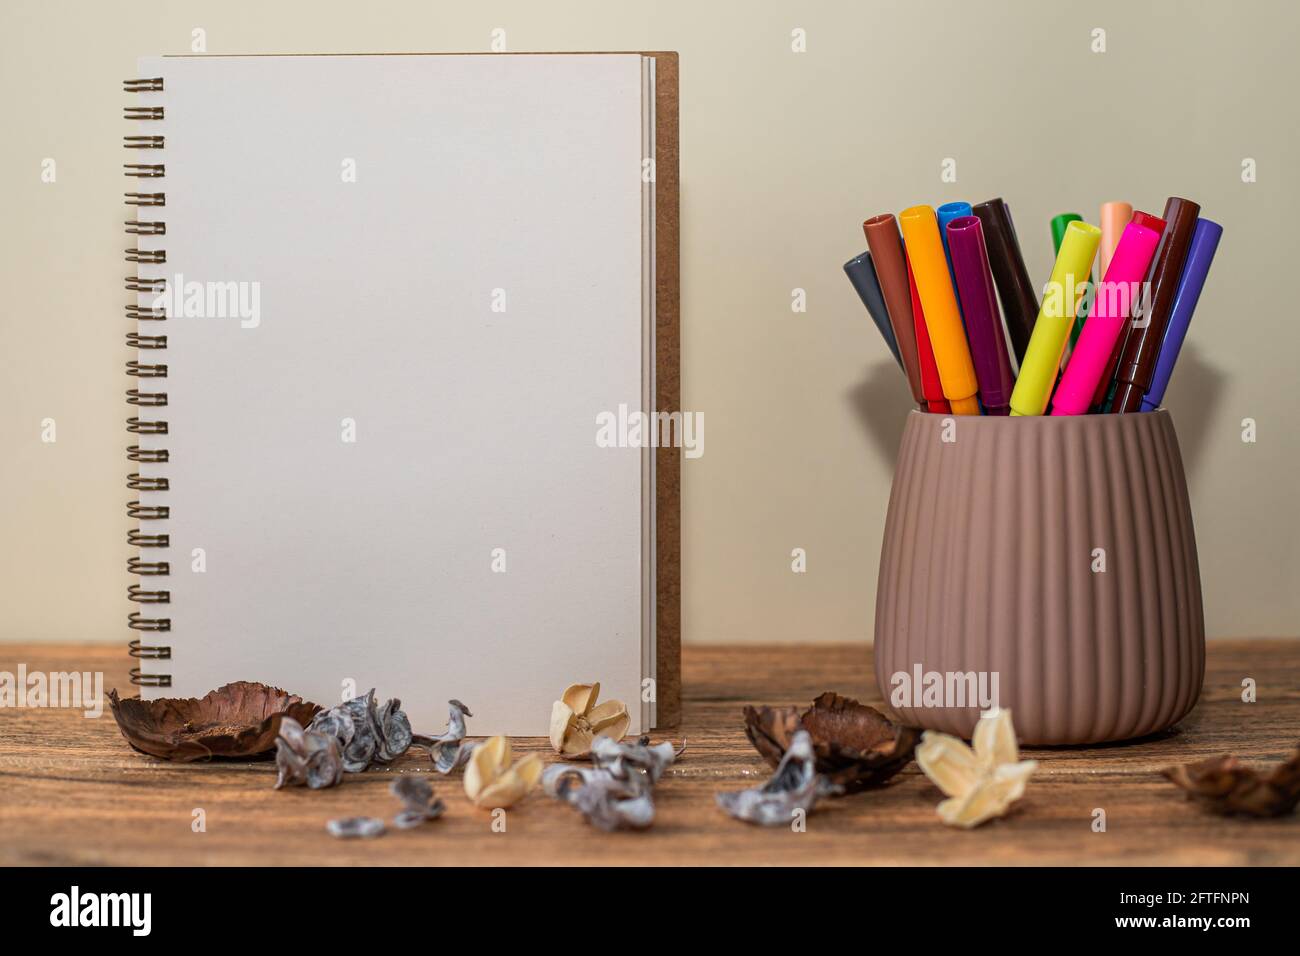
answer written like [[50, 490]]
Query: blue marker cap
[[1200, 254]]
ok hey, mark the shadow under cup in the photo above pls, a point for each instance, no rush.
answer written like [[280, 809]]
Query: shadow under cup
[[1047, 561]]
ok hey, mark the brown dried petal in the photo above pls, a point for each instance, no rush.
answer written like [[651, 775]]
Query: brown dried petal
[[770, 730], [855, 746], [240, 720], [1226, 786]]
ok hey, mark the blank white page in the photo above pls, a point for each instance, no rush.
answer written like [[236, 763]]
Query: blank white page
[[447, 259]]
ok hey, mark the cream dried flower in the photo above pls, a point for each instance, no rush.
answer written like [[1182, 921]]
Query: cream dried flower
[[981, 783], [576, 720], [490, 780]]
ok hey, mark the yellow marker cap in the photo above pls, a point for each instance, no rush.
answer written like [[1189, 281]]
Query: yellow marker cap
[[1055, 319]]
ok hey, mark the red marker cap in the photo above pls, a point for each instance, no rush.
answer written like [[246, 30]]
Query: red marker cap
[[1154, 223], [931, 386]]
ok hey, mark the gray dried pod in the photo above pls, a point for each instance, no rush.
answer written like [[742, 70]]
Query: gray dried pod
[[616, 793], [446, 749], [395, 731], [605, 801], [419, 805], [623, 760], [796, 785], [367, 734], [350, 828], [306, 757]]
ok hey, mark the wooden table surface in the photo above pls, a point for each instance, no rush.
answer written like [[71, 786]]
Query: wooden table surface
[[73, 792]]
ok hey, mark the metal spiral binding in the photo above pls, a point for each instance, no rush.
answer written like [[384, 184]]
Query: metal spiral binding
[[137, 537]]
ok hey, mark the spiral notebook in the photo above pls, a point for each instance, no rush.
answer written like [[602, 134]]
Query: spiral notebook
[[382, 305]]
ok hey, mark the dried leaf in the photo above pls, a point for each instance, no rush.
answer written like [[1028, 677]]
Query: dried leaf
[[350, 828], [447, 750], [855, 746], [796, 785], [576, 720], [240, 721], [492, 782], [1227, 787], [305, 757], [419, 805], [981, 783]]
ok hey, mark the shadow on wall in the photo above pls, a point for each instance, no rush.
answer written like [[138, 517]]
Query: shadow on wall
[[1192, 400], [881, 402]]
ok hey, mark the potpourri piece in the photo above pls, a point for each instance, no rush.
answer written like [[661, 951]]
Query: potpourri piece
[[236, 721], [492, 781], [1227, 787], [576, 720], [981, 781], [368, 734], [419, 805], [855, 745], [796, 786], [306, 758], [616, 792], [351, 828], [447, 750]]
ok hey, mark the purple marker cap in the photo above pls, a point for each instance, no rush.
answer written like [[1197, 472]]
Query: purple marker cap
[[1200, 254], [979, 305]]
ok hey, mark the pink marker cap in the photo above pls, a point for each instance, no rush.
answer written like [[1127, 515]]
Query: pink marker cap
[[1111, 305]]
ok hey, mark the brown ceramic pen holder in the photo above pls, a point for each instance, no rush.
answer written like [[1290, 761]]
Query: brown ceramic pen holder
[[1051, 559]]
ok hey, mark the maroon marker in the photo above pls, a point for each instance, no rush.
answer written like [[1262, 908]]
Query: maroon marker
[[1137, 363], [1019, 301]]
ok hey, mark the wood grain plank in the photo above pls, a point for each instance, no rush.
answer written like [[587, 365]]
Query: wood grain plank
[[72, 792]]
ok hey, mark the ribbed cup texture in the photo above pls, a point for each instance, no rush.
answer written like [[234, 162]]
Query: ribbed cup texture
[[988, 565]]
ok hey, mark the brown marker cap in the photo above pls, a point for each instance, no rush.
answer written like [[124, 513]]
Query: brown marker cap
[[891, 269]]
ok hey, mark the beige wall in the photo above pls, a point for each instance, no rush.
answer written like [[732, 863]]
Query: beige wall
[[783, 155]]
